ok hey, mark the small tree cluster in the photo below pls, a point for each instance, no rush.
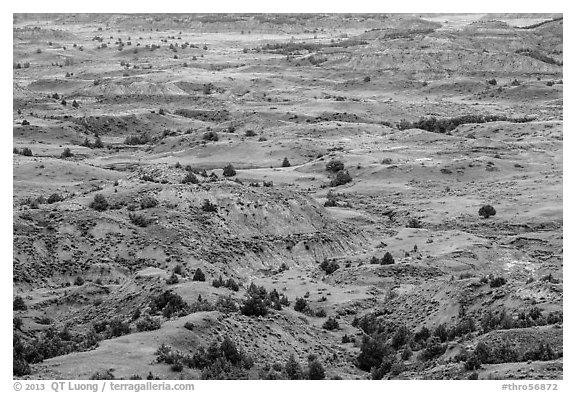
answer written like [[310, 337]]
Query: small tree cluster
[[335, 166], [190, 178], [387, 259], [331, 324], [199, 275], [168, 303], [229, 171], [342, 177], [329, 267], [230, 284], [99, 203], [209, 207], [487, 211]]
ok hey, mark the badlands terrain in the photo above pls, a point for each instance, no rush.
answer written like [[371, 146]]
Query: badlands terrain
[[287, 196]]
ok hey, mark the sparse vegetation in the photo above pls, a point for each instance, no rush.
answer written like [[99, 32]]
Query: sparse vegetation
[[229, 171], [487, 211]]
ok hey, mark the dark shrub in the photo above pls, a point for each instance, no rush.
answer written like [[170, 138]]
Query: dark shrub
[[472, 363], [102, 375], [148, 202], [388, 259], [147, 323], [301, 304], [137, 139], [441, 332], [139, 220], [401, 337], [388, 362], [26, 151], [250, 133], [433, 350], [316, 370], [173, 279], [232, 285], [285, 163], [497, 282], [190, 178], [209, 207], [118, 328], [342, 177], [257, 301], [20, 367], [218, 282], [99, 203], [329, 267], [492, 82], [210, 136], [189, 326], [66, 153], [79, 281], [55, 198], [414, 223], [292, 368], [168, 303], [372, 351], [199, 275], [330, 324], [486, 211], [25, 122], [335, 166], [18, 304], [229, 171]]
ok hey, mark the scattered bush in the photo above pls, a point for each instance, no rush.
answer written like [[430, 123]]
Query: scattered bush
[[229, 171], [148, 323], [99, 203], [190, 178], [329, 267], [117, 328], [316, 370], [199, 275], [55, 198], [497, 282], [293, 369], [189, 326], [137, 139], [331, 324], [209, 207], [372, 352], [342, 177], [210, 136], [433, 350], [148, 202], [335, 166], [414, 223], [301, 305], [18, 304], [168, 303], [388, 259], [66, 153], [173, 279], [102, 375], [486, 211], [139, 220]]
